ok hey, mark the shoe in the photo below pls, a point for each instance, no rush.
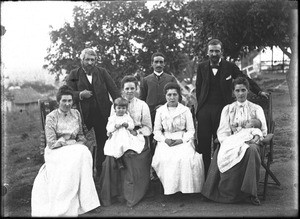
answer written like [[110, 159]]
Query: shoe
[[254, 200]]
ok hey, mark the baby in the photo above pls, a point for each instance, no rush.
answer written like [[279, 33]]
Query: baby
[[233, 148], [119, 129]]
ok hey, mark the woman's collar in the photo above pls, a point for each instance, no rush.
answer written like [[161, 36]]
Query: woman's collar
[[242, 104]]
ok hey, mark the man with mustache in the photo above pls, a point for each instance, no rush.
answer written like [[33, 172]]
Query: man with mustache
[[213, 92], [92, 86]]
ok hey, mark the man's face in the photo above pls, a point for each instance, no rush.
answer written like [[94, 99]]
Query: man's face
[[158, 63], [214, 52], [89, 61]]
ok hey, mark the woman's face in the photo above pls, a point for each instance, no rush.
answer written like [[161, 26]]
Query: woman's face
[[172, 97], [240, 92], [129, 90], [65, 103]]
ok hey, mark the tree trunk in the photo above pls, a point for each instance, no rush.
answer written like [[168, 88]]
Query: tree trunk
[[292, 73]]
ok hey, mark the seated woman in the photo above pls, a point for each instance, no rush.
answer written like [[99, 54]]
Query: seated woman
[[129, 183], [64, 185], [179, 167], [240, 181]]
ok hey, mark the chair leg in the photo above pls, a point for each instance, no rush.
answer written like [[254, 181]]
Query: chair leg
[[271, 173], [267, 173]]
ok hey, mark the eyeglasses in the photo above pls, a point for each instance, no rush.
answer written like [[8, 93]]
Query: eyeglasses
[[89, 60]]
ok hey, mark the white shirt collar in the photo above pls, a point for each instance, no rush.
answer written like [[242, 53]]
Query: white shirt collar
[[158, 74]]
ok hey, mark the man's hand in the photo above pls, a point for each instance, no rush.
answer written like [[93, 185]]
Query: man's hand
[[85, 94], [264, 94]]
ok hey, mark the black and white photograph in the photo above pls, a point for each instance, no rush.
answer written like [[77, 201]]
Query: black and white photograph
[[160, 108]]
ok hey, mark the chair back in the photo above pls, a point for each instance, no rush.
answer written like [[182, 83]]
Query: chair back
[[46, 106], [266, 104]]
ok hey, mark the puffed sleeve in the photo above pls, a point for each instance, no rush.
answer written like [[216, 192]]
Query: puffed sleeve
[[158, 134], [130, 122], [50, 132], [190, 129], [110, 127], [146, 123], [80, 135], [261, 116], [224, 128]]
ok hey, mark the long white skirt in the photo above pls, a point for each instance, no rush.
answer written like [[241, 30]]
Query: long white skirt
[[180, 168], [64, 185]]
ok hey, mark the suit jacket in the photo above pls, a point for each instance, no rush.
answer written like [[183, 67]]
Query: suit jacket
[[228, 71], [103, 85], [152, 89]]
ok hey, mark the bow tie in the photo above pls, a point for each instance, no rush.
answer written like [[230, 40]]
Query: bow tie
[[215, 66]]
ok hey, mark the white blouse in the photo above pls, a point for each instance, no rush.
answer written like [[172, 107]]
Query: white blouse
[[234, 114]]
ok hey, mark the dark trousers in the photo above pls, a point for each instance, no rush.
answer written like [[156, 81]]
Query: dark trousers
[[99, 123], [208, 118]]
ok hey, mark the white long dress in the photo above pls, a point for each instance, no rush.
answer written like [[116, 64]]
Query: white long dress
[[180, 168], [64, 185], [121, 139]]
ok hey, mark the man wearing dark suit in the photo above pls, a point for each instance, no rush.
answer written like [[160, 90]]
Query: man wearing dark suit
[[213, 92], [92, 86], [152, 86]]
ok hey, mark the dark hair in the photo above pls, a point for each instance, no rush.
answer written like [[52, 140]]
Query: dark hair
[[120, 101], [157, 54], [215, 42], [173, 85], [240, 80], [129, 78], [64, 90]]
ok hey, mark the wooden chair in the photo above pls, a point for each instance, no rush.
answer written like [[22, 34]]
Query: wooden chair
[[46, 106], [267, 148]]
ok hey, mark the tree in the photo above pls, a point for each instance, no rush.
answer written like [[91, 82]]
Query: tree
[[104, 26], [243, 26], [125, 34]]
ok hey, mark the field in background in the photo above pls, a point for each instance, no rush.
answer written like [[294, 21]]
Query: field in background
[[21, 158]]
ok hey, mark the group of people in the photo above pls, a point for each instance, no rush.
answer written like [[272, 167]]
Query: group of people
[[152, 133]]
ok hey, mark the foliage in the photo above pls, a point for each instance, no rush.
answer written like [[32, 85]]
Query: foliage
[[125, 34], [242, 25]]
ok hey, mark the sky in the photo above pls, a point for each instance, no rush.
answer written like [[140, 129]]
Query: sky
[[23, 46]]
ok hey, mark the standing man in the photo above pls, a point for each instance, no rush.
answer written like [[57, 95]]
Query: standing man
[[213, 92], [152, 86], [92, 86], [152, 92]]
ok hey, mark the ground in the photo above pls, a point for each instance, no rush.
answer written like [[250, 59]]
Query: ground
[[21, 162]]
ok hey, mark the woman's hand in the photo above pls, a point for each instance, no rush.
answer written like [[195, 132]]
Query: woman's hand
[[176, 142], [172, 142], [169, 142], [133, 132], [117, 126]]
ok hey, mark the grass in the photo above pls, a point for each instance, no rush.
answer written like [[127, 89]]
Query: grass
[[22, 159]]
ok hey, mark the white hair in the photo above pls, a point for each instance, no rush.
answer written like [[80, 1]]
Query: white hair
[[88, 51]]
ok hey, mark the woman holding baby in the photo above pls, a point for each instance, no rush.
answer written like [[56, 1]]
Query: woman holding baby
[[240, 179]]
